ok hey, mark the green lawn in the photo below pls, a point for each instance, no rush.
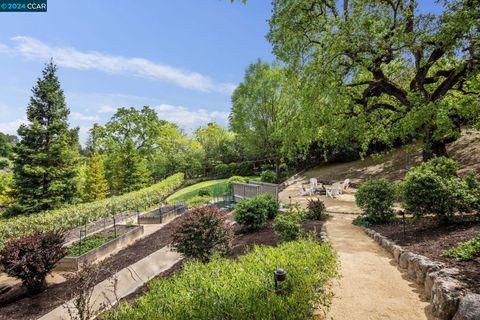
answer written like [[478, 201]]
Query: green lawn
[[215, 187]]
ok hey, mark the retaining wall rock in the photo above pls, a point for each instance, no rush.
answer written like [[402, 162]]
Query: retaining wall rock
[[469, 308], [447, 295]]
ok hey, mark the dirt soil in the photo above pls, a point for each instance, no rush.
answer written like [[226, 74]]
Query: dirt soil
[[427, 238], [16, 305], [394, 164]]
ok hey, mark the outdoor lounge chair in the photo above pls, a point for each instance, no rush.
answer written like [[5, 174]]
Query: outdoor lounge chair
[[315, 187], [302, 191], [333, 190]]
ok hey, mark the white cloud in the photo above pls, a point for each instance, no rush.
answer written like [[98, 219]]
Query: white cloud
[[83, 117], [107, 109], [34, 49], [187, 117], [11, 127]]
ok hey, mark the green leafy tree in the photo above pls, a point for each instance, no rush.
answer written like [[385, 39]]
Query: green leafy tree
[[380, 71], [47, 156], [218, 143], [256, 111], [7, 143], [96, 185], [134, 171]]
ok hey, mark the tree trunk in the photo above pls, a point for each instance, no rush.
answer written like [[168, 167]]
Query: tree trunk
[[277, 168], [432, 148]]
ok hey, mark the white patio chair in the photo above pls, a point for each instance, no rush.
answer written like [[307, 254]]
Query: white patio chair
[[314, 185], [302, 191], [345, 185], [333, 190]]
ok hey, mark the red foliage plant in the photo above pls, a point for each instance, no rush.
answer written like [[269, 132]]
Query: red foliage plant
[[32, 257], [202, 231]]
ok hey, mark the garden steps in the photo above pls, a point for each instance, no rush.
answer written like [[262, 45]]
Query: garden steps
[[129, 280]]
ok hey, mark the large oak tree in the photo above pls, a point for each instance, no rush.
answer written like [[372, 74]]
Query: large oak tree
[[381, 70]]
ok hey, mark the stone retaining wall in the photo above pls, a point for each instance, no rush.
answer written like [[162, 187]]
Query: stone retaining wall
[[448, 297], [74, 263]]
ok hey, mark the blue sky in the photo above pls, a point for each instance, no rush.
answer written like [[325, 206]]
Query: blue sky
[[182, 57]]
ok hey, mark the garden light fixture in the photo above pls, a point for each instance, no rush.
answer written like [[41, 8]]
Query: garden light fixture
[[279, 276]]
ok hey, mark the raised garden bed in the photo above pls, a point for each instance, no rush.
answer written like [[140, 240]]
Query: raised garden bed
[[162, 214], [98, 245]]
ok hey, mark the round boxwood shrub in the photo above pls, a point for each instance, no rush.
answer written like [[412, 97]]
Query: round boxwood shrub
[[376, 197], [288, 226], [30, 258], [428, 192], [268, 176], [201, 232], [251, 213]]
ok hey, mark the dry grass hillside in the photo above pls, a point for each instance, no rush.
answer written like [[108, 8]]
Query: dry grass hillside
[[394, 164]]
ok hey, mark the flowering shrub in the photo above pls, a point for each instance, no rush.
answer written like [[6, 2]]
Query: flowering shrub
[[316, 210], [201, 232], [32, 257]]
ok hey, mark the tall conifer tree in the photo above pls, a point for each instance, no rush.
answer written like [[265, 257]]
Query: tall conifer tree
[[96, 186], [47, 156]]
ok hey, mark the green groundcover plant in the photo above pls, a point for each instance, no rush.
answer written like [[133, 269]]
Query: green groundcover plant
[[242, 288], [465, 251], [72, 216], [94, 241]]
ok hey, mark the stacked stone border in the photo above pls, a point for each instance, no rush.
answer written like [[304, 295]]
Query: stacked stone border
[[448, 297]]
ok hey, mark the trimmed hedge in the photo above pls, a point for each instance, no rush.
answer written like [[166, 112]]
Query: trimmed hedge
[[242, 288], [72, 216]]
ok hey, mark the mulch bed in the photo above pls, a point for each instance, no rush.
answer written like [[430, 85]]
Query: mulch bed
[[428, 238], [22, 307]]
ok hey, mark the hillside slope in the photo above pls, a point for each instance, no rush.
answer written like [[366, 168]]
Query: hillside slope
[[394, 164]]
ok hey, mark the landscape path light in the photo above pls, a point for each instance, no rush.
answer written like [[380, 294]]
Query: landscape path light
[[279, 275]]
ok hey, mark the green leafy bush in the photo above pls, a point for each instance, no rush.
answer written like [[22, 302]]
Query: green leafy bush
[[244, 168], [288, 226], [237, 179], [204, 192], [252, 213], [441, 166], [32, 257], [376, 197], [316, 210], [465, 251], [242, 288], [270, 203], [198, 201], [223, 170], [201, 232], [75, 215], [268, 176], [427, 192]]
